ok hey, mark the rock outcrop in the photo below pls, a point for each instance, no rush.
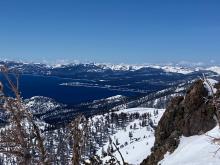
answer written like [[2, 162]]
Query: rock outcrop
[[187, 116]]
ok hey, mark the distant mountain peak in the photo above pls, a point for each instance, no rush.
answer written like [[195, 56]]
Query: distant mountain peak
[[101, 67]]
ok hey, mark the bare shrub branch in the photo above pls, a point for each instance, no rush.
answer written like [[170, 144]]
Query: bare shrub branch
[[21, 135]]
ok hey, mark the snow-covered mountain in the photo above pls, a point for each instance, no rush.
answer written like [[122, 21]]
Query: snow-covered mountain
[[214, 69], [127, 121], [40, 105], [72, 81], [41, 68], [175, 69]]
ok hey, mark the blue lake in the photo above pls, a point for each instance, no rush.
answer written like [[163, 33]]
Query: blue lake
[[31, 85]]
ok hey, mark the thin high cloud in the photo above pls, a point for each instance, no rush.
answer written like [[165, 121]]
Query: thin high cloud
[[191, 63], [197, 64]]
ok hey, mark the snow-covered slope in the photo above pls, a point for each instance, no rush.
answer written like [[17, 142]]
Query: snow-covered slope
[[40, 104], [137, 148], [166, 68], [215, 69], [210, 86], [174, 69], [196, 150]]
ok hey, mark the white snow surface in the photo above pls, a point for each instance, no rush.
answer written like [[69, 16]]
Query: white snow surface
[[114, 97], [139, 110], [174, 69], [215, 69], [40, 104], [195, 150], [166, 68], [126, 67], [211, 89], [136, 150]]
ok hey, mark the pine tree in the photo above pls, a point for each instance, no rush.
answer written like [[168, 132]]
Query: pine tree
[[130, 134]]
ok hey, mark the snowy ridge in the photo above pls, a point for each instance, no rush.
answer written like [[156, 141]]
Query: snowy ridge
[[40, 104], [100, 67], [209, 85], [116, 97], [166, 68], [215, 69], [174, 69]]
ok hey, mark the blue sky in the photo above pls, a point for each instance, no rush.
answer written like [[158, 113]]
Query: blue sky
[[115, 31]]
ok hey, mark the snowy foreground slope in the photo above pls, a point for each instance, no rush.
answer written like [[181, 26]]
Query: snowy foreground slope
[[196, 150], [138, 147]]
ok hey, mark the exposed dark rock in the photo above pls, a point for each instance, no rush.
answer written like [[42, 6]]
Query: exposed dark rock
[[217, 86], [187, 116]]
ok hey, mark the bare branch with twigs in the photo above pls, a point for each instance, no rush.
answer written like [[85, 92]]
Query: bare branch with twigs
[[22, 135], [215, 100]]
